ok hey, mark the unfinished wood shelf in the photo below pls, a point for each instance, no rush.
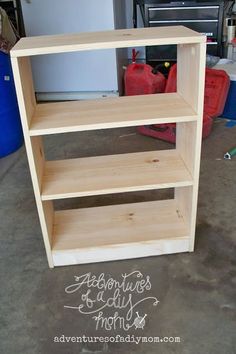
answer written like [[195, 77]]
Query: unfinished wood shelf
[[65, 117], [114, 174], [123, 38], [120, 231], [158, 227]]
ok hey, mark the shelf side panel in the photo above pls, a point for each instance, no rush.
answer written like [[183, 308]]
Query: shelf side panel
[[190, 84], [184, 201], [26, 97], [191, 74], [34, 147]]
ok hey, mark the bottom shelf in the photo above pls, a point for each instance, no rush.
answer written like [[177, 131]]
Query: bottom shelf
[[118, 232]]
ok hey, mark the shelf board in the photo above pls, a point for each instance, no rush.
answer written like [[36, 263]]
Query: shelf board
[[64, 117], [114, 174], [123, 38], [118, 232]]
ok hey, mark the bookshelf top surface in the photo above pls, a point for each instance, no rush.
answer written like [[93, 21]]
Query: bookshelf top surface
[[63, 43]]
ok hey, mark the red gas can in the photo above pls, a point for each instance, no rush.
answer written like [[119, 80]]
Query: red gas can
[[216, 90], [140, 80], [167, 132]]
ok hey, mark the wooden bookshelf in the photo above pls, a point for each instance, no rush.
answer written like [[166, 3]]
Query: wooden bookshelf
[[119, 231]]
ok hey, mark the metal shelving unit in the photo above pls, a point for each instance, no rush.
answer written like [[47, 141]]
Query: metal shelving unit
[[205, 17]]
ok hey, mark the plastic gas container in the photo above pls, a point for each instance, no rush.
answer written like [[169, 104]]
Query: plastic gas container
[[11, 137], [216, 90], [140, 80], [167, 132]]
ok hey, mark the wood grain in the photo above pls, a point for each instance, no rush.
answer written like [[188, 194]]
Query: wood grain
[[104, 40], [118, 232], [190, 84], [34, 148], [121, 231], [64, 117], [114, 174]]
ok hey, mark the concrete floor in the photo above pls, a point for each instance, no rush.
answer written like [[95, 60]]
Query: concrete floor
[[197, 291]]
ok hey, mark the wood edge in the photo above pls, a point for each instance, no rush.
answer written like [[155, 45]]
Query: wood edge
[[62, 258]]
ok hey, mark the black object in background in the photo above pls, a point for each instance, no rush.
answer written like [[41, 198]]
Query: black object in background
[[14, 12], [201, 16]]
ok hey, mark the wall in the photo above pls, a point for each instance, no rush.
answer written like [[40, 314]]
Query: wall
[[85, 71]]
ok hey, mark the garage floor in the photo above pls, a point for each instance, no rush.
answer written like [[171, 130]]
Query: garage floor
[[196, 292]]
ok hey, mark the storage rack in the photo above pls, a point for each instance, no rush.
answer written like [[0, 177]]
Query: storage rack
[[201, 16], [119, 231]]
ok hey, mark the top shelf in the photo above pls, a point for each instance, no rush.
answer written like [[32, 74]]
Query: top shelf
[[124, 38]]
